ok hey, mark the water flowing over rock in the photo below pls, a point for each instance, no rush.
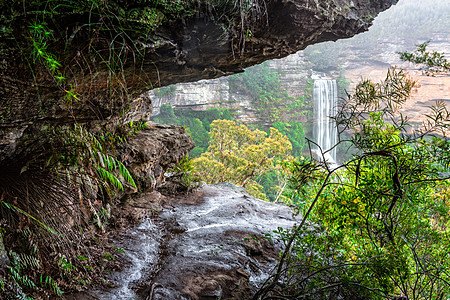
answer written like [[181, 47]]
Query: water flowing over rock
[[141, 245], [325, 105], [213, 246], [100, 95]]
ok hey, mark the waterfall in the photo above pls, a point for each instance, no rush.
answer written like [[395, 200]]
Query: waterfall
[[324, 130]]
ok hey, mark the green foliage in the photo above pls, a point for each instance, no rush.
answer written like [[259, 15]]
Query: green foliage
[[88, 160], [270, 181], [239, 155], [86, 153], [295, 133], [197, 123], [42, 204], [262, 84], [303, 104], [166, 115], [379, 222], [66, 266], [90, 36], [49, 282], [165, 91], [131, 128], [21, 264], [186, 170], [431, 62], [199, 134]]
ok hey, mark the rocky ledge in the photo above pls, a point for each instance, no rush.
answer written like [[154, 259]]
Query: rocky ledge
[[213, 42], [209, 244]]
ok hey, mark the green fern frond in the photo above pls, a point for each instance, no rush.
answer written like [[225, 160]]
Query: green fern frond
[[21, 279], [110, 178], [101, 159], [126, 174], [112, 163], [17, 209], [50, 282], [28, 261]]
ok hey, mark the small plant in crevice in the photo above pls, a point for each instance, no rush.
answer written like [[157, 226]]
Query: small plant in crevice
[[85, 154], [185, 170]]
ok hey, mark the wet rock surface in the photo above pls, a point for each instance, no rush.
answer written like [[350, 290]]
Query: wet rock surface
[[209, 244]]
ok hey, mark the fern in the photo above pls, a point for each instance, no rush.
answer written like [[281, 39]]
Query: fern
[[126, 174], [48, 281], [28, 261], [20, 279], [21, 261], [111, 178], [17, 209], [66, 266], [92, 152], [30, 239]]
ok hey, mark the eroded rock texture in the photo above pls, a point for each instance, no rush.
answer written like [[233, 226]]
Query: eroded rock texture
[[96, 82], [153, 151], [209, 43], [210, 244]]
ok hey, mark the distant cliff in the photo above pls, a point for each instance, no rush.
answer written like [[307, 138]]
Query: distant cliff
[[294, 72], [61, 73], [73, 107], [367, 55]]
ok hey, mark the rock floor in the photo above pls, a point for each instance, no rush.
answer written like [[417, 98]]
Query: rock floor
[[211, 244]]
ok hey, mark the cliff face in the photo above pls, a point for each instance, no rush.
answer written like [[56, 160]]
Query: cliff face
[[293, 70], [204, 49], [367, 55], [201, 45], [90, 63]]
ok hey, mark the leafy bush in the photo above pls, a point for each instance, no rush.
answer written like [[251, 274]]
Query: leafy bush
[[379, 221], [197, 123], [239, 155]]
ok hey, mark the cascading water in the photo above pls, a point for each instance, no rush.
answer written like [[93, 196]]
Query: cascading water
[[324, 130]]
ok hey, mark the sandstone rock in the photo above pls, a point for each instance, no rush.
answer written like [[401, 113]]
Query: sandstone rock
[[210, 258], [202, 95], [201, 46], [153, 150], [210, 245]]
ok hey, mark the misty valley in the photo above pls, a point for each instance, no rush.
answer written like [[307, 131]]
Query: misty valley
[[227, 149]]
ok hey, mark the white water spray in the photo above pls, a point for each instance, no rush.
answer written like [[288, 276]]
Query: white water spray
[[324, 130]]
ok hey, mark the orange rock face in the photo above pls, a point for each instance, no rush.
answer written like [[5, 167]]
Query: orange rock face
[[429, 89]]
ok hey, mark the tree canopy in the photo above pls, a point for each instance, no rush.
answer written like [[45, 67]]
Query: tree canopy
[[375, 227], [239, 155]]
